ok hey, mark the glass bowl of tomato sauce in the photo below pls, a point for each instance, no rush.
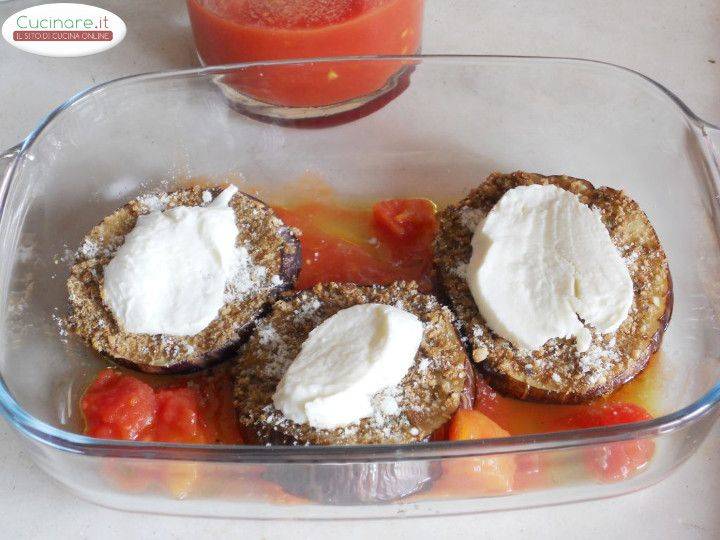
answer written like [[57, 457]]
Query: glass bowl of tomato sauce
[[233, 31]]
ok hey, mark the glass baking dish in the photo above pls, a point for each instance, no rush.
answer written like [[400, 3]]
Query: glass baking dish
[[459, 119]]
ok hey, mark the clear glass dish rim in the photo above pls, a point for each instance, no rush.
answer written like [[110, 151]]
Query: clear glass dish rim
[[67, 441]]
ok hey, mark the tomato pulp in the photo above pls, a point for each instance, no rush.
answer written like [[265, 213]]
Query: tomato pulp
[[615, 461], [229, 31], [473, 475], [609, 462], [199, 410], [389, 242]]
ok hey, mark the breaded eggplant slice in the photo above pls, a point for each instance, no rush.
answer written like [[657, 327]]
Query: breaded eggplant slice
[[558, 373], [440, 380], [275, 254], [426, 398]]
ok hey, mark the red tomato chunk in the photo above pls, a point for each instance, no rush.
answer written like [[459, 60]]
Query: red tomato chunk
[[118, 406], [391, 242], [475, 475], [178, 416], [406, 220], [615, 461]]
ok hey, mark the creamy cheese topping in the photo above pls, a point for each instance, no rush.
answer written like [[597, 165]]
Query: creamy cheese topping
[[169, 275], [542, 265], [346, 360]]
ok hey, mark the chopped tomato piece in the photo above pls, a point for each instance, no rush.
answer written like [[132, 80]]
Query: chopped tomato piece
[[615, 461], [118, 406], [608, 414], [178, 416], [335, 259], [335, 245], [408, 227], [405, 219], [531, 470], [618, 461], [346, 244], [468, 424], [476, 475]]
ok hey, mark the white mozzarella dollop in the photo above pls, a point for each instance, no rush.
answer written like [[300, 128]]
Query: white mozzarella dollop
[[544, 266], [169, 275], [345, 361]]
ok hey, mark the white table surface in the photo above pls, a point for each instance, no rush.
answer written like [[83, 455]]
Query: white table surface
[[675, 42]]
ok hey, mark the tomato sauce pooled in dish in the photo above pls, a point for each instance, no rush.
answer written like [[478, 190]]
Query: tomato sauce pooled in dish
[[229, 31], [392, 241]]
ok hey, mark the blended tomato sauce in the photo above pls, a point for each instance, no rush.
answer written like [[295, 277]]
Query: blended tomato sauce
[[230, 31]]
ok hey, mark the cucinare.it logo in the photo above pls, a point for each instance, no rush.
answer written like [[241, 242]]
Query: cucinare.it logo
[[64, 30]]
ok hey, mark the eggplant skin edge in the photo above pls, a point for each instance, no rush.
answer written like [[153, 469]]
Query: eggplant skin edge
[[354, 483]]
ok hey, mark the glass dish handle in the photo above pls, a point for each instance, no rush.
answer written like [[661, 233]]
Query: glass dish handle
[[712, 140], [7, 158]]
